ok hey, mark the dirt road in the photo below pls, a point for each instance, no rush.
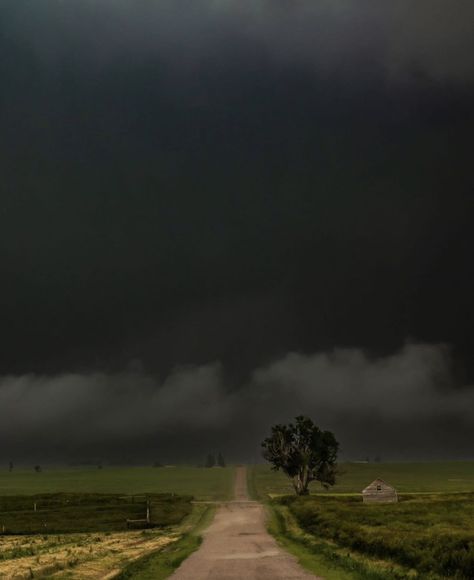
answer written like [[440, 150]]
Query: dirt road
[[237, 545]]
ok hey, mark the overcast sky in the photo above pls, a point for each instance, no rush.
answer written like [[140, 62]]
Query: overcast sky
[[215, 212]]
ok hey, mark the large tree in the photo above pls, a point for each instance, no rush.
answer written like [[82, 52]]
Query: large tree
[[303, 452]]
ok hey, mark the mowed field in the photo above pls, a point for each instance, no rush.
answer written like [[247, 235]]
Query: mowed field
[[203, 484], [72, 523], [429, 534]]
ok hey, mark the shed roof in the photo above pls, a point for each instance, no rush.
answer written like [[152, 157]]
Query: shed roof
[[378, 481]]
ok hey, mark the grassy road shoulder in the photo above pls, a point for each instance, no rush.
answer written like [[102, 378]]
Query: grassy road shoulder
[[325, 558], [162, 563], [318, 558], [315, 558]]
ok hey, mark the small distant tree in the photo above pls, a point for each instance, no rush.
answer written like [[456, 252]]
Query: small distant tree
[[303, 452], [220, 460], [377, 459], [210, 460], [38, 468], [10, 466], [157, 464]]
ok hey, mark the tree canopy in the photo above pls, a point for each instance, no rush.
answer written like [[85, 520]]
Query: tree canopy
[[304, 452]]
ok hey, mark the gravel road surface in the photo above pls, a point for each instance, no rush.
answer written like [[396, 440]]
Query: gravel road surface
[[237, 546]]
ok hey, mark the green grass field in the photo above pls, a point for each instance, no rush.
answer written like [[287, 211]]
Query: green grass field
[[445, 477], [202, 483], [429, 534]]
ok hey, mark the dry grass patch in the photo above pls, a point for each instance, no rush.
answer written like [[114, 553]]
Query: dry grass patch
[[88, 556]]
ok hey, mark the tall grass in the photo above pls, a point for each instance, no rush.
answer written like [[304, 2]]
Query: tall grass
[[430, 534]]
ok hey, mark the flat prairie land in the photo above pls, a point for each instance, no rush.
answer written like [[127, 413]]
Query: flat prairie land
[[436, 477], [203, 484], [72, 523]]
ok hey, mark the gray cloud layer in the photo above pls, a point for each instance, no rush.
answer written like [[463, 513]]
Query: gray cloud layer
[[400, 406], [428, 38]]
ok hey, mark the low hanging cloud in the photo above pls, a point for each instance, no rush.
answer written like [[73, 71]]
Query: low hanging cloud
[[401, 406], [100, 408], [413, 383]]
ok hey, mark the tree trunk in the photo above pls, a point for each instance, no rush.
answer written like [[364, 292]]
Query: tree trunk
[[301, 481]]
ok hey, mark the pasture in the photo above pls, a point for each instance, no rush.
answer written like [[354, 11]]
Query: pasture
[[436, 477], [201, 483]]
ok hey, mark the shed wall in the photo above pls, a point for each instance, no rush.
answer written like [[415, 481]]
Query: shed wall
[[384, 495]]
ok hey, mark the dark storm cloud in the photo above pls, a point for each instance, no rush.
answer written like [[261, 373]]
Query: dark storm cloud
[[185, 182], [431, 37], [402, 406]]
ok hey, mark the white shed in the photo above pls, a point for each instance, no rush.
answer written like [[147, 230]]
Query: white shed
[[379, 492]]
